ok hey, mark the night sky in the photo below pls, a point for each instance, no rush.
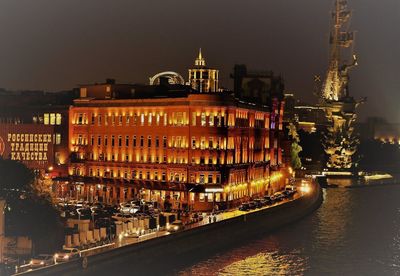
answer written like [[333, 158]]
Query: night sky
[[54, 44]]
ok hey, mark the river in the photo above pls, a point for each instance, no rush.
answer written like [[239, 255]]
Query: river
[[355, 232]]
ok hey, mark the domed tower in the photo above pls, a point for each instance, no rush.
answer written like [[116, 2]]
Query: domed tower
[[202, 78]]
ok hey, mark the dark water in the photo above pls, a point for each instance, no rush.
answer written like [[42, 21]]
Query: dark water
[[355, 232]]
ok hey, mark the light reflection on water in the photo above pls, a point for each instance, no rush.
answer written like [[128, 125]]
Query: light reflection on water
[[355, 232]]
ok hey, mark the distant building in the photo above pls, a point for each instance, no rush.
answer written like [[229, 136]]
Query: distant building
[[202, 78], [42, 118], [379, 129]]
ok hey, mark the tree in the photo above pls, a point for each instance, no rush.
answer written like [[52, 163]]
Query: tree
[[28, 212], [295, 148]]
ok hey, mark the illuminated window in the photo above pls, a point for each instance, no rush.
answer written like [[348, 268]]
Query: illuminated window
[[203, 119], [211, 120], [194, 118], [52, 119], [134, 119], [58, 119], [202, 179], [178, 141], [46, 119], [80, 139], [165, 119], [179, 118], [120, 120], [193, 142], [128, 119], [158, 119], [142, 119], [203, 143], [141, 141], [58, 138], [150, 119]]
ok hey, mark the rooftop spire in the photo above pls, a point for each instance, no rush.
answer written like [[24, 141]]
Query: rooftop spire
[[200, 61]]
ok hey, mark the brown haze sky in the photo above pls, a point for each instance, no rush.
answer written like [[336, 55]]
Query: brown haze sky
[[57, 44]]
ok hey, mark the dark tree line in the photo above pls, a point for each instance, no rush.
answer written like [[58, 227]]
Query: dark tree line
[[28, 212]]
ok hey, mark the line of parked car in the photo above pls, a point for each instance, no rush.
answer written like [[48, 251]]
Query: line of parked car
[[268, 200]]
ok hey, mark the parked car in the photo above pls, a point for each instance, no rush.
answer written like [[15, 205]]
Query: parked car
[[252, 205], [67, 254], [177, 225], [269, 199], [244, 207], [279, 196], [41, 261]]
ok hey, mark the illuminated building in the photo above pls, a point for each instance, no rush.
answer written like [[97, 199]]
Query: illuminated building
[[202, 78], [36, 113], [171, 143]]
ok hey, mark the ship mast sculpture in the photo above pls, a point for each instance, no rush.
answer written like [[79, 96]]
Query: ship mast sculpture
[[340, 143]]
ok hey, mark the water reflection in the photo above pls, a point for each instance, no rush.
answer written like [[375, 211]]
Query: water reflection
[[355, 232]]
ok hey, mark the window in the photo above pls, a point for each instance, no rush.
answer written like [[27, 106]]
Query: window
[[99, 120], [202, 179], [112, 119], [134, 141], [142, 119], [141, 141], [158, 119], [126, 141], [140, 175], [133, 176], [105, 140], [218, 179], [46, 119], [193, 142], [210, 178], [194, 118], [150, 119], [163, 177], [134, 119], [120, 120], [156, 176], [210, 142], [105, 119], [58, 138], [149, 141], [52, 119], [112, 140], [58, 119], [148, 175], [99, 140], [203, 119], [210, 160], [92, 119], [202, 142], [165, 119], [165, 141], [92, 140], [157, 142], [127, 119], [211, 120], [119, 141]]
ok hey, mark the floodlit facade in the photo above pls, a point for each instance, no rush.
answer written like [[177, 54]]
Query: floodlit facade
[[195, 150]]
